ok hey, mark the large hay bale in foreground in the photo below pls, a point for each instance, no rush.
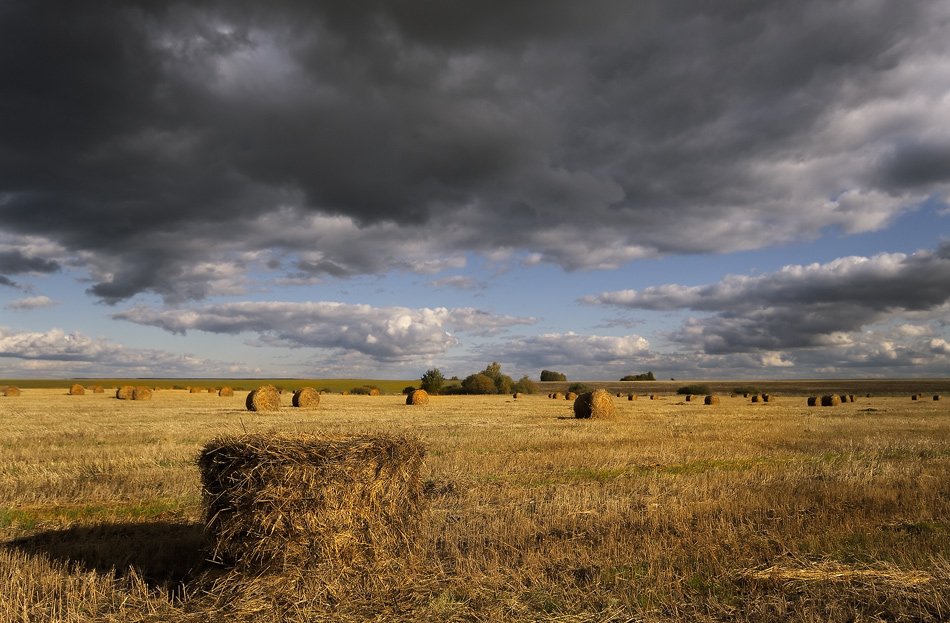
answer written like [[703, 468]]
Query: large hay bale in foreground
[[417, 397], [711, 400], [831, 400], [142, 393], [77, 390], [306, 397], [124, 392], [275, 501], [11, 390], [264, 398], [225, 392], [596, 404]]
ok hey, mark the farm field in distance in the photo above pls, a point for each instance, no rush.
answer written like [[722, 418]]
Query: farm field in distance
[[673, 511]]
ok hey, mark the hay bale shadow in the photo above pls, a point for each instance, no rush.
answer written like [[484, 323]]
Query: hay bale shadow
[[166, 555]]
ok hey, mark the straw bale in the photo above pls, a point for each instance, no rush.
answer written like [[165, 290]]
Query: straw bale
[[571, 396], [124, 392], [97, 389], [689, 398], [226, 392], [936, 397], [417, 397], [77, 390], [631, 396], [557, 396], [813, 401], [374, 392], [11, 390], [142, 393], [196, 390], [654, 397], [306, 397], [276, 501], [757, 398], [596, 404], [830, 400], [264, 398], [516, 395], [767, 398], [711, 400], [212, 390]]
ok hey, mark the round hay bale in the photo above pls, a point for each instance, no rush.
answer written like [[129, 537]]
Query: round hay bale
[[619, 395], [689, 398], [915, 397], [557, 396], [196, 390], [212, 390], [225, 392], [374, 392], [594, 405], [654, 397], [306, 398], [757, 398], [11, 390], [631, 396], [264, 398], [516, 395], [571, 396], [767, 398], [937, 397], [830, 400], [142, 393], [124, 392], [77, 390], [711, 400], [813, 401], [97, 389], [417, 397]]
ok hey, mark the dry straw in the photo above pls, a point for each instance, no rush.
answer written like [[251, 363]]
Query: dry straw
[[212, 390], [124, 392], [306, 397], [77, 390], [142, 393], [11, 390], [264, 398], [276, 501], [596, 404], [417, 397], [831, 400], [226, 392], [711, 400]]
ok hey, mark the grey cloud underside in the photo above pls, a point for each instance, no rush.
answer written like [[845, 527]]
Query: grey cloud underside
[[587, 135], [802, 307]]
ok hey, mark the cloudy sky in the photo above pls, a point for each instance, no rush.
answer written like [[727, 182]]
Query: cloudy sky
[[705, 190]]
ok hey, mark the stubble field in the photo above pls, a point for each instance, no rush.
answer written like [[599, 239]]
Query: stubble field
[[673, 511]]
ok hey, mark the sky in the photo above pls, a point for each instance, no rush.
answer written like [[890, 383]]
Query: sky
[[704, 190]]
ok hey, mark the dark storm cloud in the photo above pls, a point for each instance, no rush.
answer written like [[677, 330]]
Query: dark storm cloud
[[818, 305], [156, 143]]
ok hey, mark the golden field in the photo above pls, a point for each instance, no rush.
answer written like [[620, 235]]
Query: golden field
[[673, 511]]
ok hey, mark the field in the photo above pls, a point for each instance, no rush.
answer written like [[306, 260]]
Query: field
[[673, 511]]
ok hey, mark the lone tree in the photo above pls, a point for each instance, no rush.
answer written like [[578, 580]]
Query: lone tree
[[432, 381], [478, 384], [550, 375]]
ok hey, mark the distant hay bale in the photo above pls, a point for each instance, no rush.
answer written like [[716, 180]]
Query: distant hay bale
[[757, 398], [915, 397], [654, 397], [417, 397], [124, 392], [264, 398], [870, 396], [516, 395], [619, 395], [768, 398], [570, 396], [374, 392], [277, 501], [937, 397], [813, 401], [77, 390], [142, 393], [596, 404], [711, 400], [225, 392], [212, 390], [97, 389], [631, 396], [689, 398], [196, 390], [830, 400], [306, 398], [11, 390], [557, 396]]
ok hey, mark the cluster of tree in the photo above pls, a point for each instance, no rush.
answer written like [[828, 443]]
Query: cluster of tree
[[491, 380], [639, 377], [550, 375]]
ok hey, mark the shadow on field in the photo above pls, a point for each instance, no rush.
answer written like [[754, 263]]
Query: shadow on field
[[163, 554]]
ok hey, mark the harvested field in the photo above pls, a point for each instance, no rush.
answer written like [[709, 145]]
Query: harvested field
[[671, 511]]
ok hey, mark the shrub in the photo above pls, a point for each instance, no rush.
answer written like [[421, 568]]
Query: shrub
[[478, 384], [578, 388], [432, 381], [550, 375], [526, 386], [694, 389], [408, 389], [363, 390], [746, 390], [639, 377]]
